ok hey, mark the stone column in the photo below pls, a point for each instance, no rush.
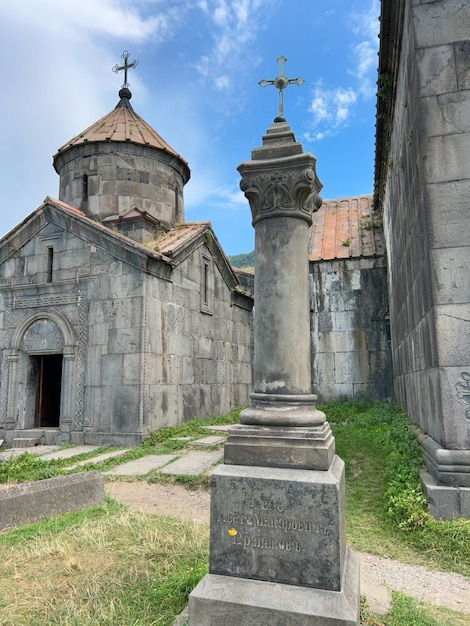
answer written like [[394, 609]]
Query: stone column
[[278, 551], [282, 187]]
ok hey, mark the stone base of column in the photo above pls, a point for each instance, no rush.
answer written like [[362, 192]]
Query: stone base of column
[[310, 448], [280, 430], [446, 502], [233, 601], [447, 467], [272, 409]]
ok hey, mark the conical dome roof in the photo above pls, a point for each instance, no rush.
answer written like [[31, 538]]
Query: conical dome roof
[[121, 124], [121, 163]]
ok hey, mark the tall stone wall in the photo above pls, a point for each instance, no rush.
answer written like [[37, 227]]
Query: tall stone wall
[[426, 216], [349, 316]]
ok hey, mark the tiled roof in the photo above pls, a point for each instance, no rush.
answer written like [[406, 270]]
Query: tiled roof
[[122, 124], [344, 229], [177, 238]]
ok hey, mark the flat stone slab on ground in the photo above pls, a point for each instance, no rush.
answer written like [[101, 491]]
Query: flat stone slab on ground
[[193, 464], [211, 440], [68, 453], [101, 457], [223, 428], [37, 450], [142, 466]]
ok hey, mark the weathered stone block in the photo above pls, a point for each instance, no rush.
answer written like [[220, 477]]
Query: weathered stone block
[[453, 13], [279, 525], [462, 60], [446, 502], [452, 271], [300, 448], [453, 230], [234, 601], [446, 114], [451, 327], [32, 502], [447, 158], [437, 65]]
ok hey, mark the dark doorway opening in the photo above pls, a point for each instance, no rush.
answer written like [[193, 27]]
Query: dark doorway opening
[[48, 388]]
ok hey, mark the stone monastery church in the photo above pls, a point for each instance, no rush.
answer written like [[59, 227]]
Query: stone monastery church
[[116, 316]]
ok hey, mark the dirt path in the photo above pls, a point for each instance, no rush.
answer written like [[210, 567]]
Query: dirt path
[[378, 575]]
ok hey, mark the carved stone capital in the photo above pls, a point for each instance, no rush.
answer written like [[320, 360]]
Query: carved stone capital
[[280, 180], [281, 193]]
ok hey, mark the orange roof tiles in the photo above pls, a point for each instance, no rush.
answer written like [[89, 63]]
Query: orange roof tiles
[[344, 229], [178, 237]]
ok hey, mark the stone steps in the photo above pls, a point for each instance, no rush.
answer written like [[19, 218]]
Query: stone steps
[[25, 442]]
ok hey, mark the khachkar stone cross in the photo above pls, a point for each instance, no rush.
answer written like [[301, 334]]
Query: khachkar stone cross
[[281, 82], [278, 551], [123, 68]]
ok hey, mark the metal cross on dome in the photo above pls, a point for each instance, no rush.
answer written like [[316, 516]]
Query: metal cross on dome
[[119, 68], [281, 82]]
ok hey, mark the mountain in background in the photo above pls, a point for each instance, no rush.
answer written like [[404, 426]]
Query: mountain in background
[[243, 260]]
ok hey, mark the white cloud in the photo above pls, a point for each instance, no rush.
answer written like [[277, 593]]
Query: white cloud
[[59, 80], [235, 24], [332, 107], [366, 23], [231, 196]]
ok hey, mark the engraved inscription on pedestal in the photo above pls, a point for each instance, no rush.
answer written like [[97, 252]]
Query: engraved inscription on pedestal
[[278, 525]]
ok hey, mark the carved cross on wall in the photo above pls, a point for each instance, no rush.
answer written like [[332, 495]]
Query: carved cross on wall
[[281, 82], [119, 68]]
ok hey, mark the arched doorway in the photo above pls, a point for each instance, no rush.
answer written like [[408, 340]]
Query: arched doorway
[[41, 376]]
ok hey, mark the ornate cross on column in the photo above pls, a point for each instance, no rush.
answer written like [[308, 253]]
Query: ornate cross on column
[[281, 82], [119, 68]]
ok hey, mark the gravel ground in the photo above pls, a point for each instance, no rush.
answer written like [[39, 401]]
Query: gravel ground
[[378, 575]]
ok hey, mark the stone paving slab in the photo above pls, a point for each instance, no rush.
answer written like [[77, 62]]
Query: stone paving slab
[[142, 466], [212, 440], [219, 428], [67, 453], [37, 450], [192, 464], [100, 457]]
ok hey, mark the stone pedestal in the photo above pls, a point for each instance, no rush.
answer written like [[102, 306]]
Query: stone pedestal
[[235, 601], [278, 551]]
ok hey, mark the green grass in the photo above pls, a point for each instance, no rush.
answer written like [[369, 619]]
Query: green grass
[[386, 511], [107, 565], [405, 611], [102, 566], [28, 467]]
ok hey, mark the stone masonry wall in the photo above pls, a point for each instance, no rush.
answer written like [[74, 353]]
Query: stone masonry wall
[[121, 176], [143, 351], [350, 350], [200, 362], [426, 216]]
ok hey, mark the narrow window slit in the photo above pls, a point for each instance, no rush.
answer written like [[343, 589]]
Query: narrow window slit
[[50, 264]]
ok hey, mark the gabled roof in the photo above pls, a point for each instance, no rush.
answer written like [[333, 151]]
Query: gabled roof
[[346, 228], [179, 242], [158, 258], [124, 125]]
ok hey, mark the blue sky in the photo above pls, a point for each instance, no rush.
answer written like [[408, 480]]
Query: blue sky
[[200, 62]]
